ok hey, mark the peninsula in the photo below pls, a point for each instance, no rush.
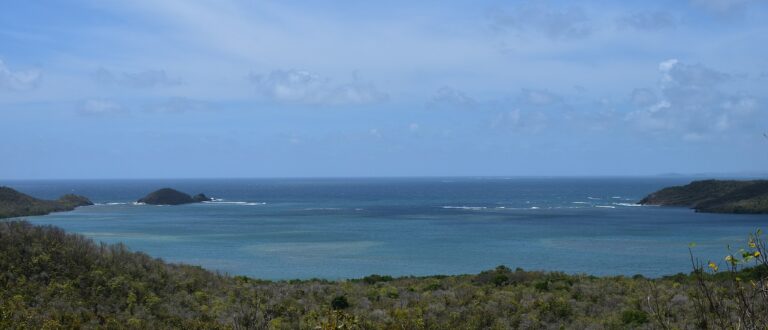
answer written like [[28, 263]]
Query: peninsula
[[715, 196], [16, 204]]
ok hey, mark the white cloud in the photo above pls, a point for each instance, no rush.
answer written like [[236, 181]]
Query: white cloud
[[720, 6], [539, 97], [528, 111], [450, 98], [665, 67], [178, 105], [99, 107], [141, 79], [517, 120], [692, 103], [304, 87], [538, 18], [18, 80], [648, 21], [690, 75], [643, 97]]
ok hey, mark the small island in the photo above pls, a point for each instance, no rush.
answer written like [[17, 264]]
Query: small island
[[168, 196], [16, 204], [715, 196]]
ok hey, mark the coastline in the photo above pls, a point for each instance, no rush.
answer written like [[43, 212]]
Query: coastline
[[118, 287]]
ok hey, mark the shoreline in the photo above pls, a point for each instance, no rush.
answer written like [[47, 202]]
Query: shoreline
[[59, 280]]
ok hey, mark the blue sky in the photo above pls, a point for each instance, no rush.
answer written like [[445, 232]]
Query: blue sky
[[152, 89]]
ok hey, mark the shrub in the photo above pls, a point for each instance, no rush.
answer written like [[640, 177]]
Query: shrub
[[375, 278], [339, 303], [633, 316], [557, 308]]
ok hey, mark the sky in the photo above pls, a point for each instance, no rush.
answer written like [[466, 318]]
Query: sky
[[209, 89]]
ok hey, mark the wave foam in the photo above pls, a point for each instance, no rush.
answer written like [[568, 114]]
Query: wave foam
[[233, 203], [475, 208], [627, 204]]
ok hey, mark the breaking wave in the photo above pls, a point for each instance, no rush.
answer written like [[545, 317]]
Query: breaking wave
[[221, 202], [474, 208]]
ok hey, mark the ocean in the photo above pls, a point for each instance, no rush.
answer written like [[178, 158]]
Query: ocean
[[349, 228]]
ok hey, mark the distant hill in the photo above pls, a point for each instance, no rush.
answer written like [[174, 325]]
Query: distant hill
[[168, 196], [717, 196], [16, 204]]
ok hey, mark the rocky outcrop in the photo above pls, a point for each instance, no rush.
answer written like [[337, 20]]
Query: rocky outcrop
[[16, 204], [168, 196], [717, 196], [201, 198]]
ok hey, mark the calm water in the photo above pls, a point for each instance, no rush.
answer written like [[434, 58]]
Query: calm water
[[344, 228]]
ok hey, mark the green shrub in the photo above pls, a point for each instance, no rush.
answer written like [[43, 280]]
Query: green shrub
[[557, 308], [339, 303], [375, 278], [634, 316]]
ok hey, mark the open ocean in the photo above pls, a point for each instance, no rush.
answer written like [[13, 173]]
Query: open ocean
[[349, 228]]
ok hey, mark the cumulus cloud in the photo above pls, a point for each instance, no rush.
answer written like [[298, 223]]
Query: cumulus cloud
[[648, 21], [692, 76], [539, 97], [518, 120], [644, 97], [141, 79], [450, 98], [528, 111], [692, 103], [304, 87], [542, 19], [18, 80], [720, 6], [178, 105], [100, 107]]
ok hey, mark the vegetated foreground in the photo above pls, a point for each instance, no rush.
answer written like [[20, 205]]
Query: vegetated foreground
[[51, 279]]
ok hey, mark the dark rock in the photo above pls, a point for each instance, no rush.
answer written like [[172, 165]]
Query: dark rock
[[201, 198], [168, 196], [717, 196]]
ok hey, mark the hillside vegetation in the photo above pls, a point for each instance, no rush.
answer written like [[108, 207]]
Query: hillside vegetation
[[16, 204], [168, 196], [50, 279], [719, 196]]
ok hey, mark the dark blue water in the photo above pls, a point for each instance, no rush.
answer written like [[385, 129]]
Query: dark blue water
[[343, 228]]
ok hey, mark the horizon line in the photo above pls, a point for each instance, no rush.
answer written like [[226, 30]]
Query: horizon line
[[564, 176]]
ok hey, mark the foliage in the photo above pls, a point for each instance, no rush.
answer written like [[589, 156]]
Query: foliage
[[15, 204], [339, 302], [741, 294], [719, 196], [168, 196], [50, 279]]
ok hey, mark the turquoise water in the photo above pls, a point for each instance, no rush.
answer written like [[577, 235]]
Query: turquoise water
[[346, 228]]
